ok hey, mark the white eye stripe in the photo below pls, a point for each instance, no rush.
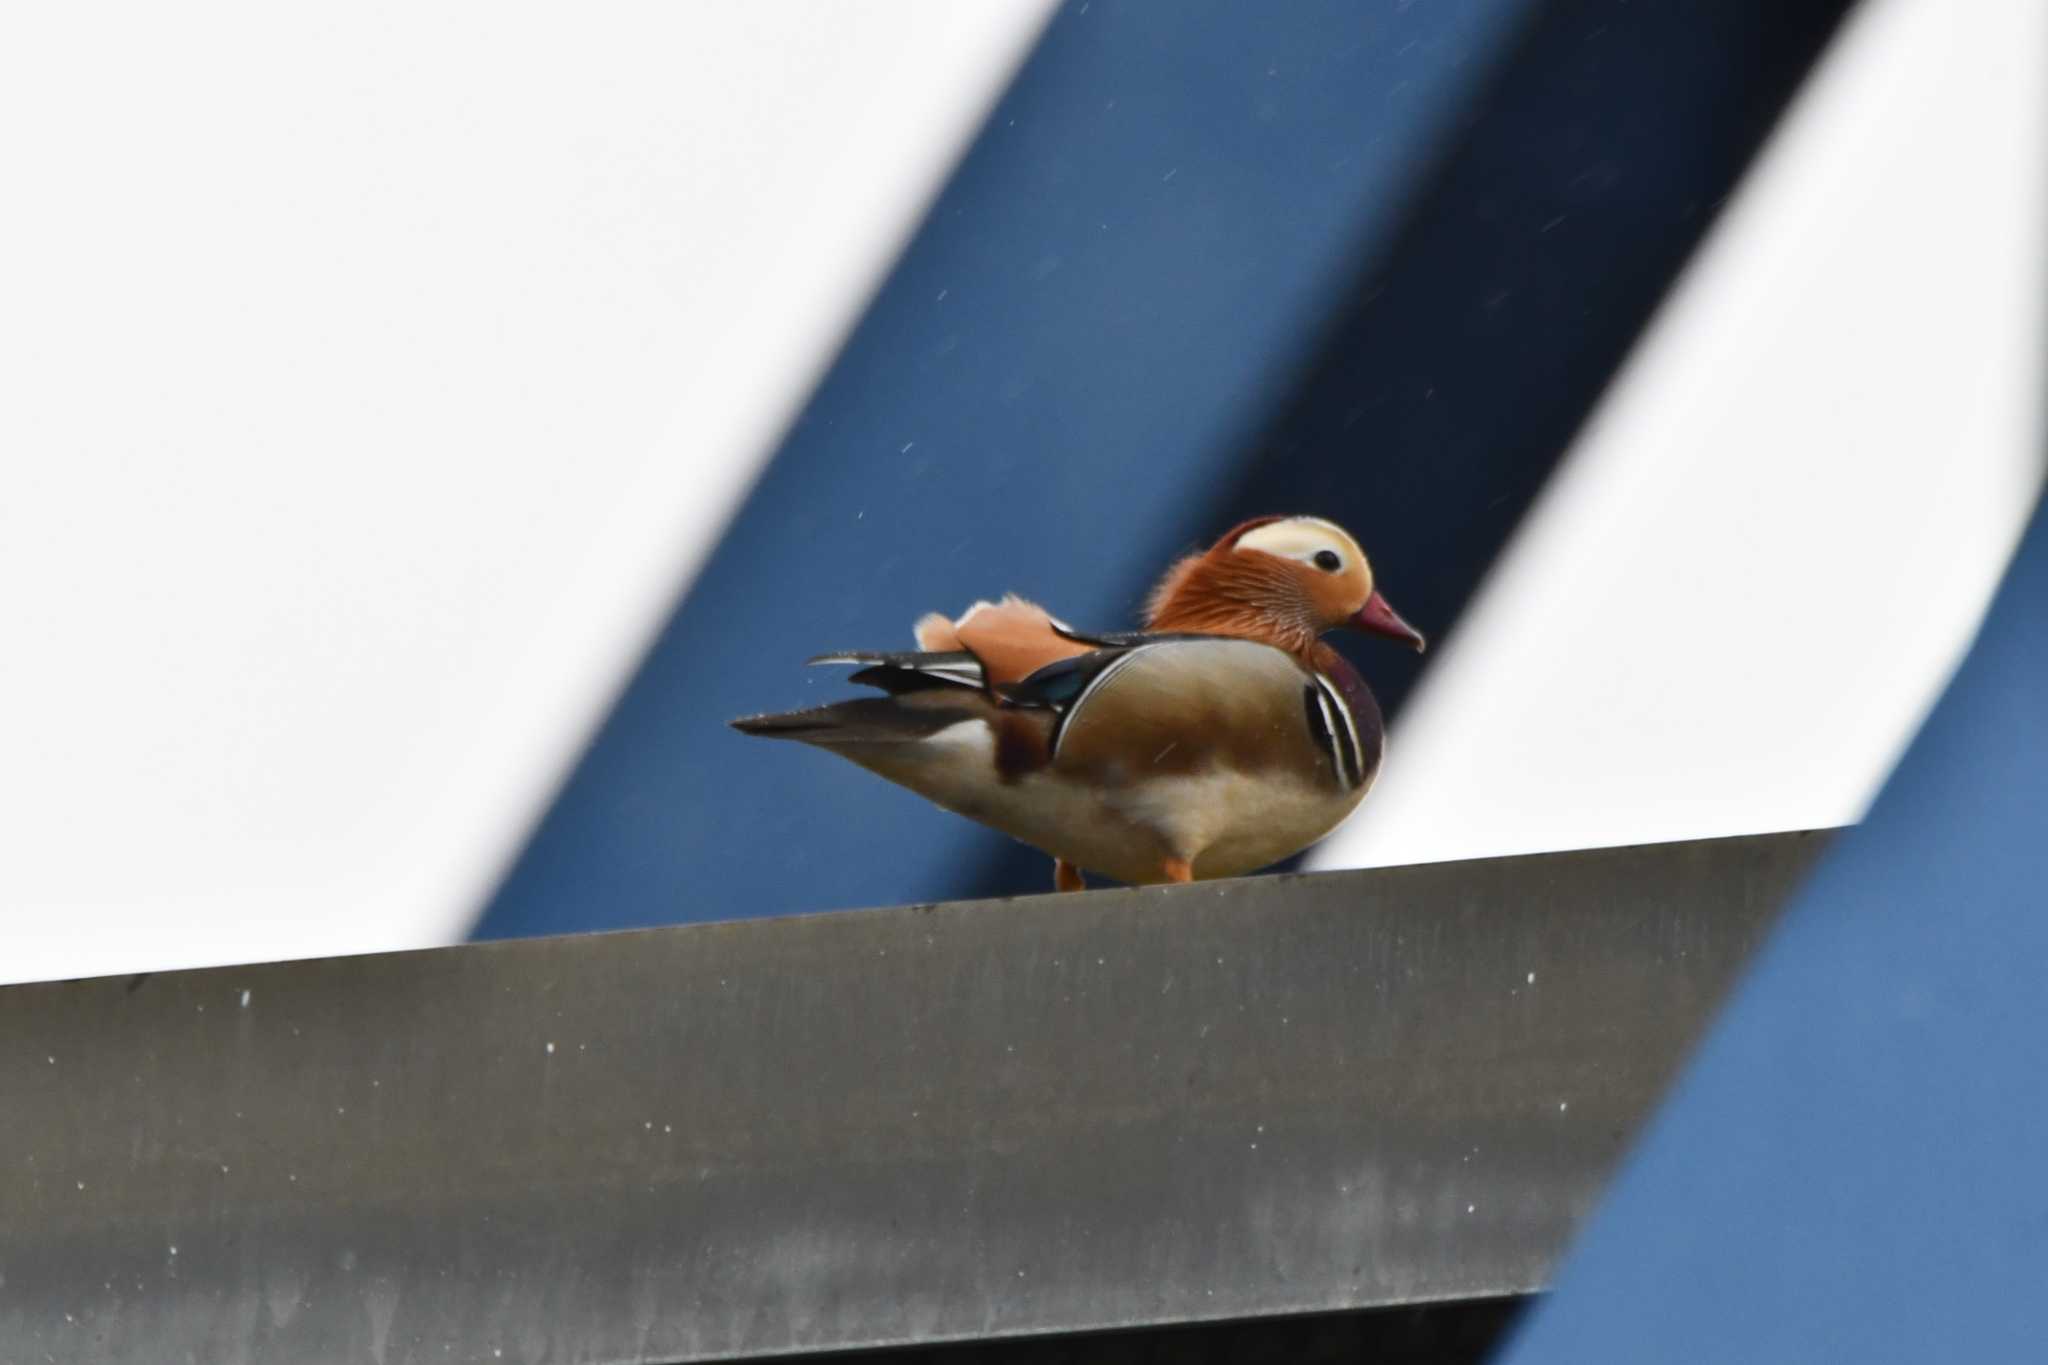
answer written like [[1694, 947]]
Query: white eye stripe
[[1301, 539]]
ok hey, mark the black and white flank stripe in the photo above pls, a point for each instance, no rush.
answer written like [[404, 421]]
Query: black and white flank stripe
[[1335, 731]]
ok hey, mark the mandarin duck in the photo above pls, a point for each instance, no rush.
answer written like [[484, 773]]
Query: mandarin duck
[[1224, 737]]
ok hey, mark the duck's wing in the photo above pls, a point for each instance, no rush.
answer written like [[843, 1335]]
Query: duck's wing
[[930, 692], [1127, 705]]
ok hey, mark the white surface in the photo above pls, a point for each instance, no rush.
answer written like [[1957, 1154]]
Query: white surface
[[1732, 608], [374, 374]]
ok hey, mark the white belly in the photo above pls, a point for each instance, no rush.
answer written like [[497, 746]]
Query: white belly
[[1226, 823]]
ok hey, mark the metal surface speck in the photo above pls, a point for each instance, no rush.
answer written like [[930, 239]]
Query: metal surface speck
[[1228, 1100]]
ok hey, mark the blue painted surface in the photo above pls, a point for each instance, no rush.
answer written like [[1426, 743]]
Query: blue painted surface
[[1856, 1167], [1119, 277]]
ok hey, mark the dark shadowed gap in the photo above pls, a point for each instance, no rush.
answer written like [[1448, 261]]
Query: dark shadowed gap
[[1460, 362], [1457, 1332]]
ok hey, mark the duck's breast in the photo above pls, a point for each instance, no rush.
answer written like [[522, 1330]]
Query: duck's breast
[[1231, 751]]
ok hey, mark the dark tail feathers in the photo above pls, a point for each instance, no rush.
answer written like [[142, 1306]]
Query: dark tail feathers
[[869, 720]]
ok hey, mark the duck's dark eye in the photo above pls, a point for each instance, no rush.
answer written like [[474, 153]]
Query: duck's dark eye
[[1327, 561]]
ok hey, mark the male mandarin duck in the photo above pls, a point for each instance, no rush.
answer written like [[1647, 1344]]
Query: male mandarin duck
[[1224, 737]]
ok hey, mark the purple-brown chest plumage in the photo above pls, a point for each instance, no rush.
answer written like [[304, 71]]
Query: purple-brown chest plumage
[[1363, 706]]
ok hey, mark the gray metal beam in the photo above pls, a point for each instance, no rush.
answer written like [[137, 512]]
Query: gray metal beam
[[995, 1118]]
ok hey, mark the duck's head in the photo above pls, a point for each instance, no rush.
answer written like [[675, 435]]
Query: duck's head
[[1283, 580]]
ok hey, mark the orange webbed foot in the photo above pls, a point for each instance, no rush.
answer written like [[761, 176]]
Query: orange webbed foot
[[1067, 877]]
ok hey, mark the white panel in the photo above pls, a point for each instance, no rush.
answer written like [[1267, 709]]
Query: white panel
[[374, 375], [1735, 603]]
